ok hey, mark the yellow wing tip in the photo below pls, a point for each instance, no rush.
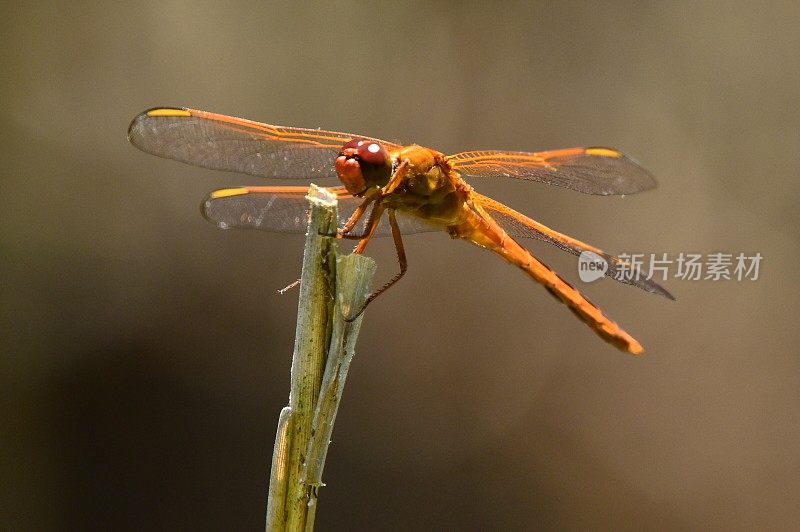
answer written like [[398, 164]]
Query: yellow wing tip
[[603, 152], [168, 111], [228, 192]]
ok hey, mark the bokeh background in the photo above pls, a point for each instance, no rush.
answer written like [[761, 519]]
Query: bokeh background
[[145, 353]]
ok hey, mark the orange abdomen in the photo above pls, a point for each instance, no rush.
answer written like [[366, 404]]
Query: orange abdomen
[[480, 229]]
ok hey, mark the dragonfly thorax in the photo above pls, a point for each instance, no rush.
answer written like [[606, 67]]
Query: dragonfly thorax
[[428, 174]]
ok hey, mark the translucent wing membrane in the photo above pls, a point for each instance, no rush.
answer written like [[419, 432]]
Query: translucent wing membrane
[[589, 170], [233, 144], [285, 210], [520, 226]]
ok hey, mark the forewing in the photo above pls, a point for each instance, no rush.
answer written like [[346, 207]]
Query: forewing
[[520, 226], [233, 144], [601, 171], [285, 210]]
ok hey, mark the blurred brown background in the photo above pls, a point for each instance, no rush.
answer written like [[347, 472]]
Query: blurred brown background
[[146, 354]]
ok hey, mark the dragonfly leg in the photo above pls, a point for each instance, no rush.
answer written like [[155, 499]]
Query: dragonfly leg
[[374, 194], [371, 196], [398, 177], [372, 224], [401, 258]]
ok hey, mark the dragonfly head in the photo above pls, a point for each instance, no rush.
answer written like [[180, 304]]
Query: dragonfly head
[[363, 164]]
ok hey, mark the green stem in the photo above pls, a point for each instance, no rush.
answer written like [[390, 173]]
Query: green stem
[[279, 477], [330, 288], [353, 278]]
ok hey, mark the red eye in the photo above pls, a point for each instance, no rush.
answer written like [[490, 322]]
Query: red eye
[[349, 172], [355, 143], [372, 153], [362, 164]]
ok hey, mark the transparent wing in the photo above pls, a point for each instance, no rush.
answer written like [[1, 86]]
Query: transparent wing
[[285, 210], [520, 226], [233, 144], [601, 171]]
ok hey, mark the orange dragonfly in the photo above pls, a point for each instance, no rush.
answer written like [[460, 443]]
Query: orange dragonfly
[[419, 189]]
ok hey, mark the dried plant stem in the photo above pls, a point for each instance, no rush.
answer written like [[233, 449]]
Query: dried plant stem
[[331, 287]]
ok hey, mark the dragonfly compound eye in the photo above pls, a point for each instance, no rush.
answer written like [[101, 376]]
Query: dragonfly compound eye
[[376, 165], [372, 153], [349, 172], [362, 164]]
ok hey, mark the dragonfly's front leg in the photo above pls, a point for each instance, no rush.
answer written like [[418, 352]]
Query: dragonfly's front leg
[[372, 195], [398, 177], [344, 232], [401, 258], [372, 224]]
